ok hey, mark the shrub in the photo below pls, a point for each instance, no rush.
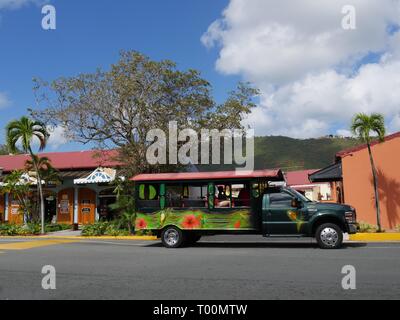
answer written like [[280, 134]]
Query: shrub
[[368, 228], [57, 227], [19, 230], [113, 228], [95, 230]]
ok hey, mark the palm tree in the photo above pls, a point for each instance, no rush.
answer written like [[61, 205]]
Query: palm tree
[[46, 171], [362, 126], [25, 131]]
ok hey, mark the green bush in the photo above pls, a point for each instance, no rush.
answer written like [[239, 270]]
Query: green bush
[[114, 228], [57, 227], [368, 228], [19, 230], [95, 230], [398, 228], [29, 229]]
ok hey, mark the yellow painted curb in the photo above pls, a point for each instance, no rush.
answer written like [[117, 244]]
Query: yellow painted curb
[[378, 237]]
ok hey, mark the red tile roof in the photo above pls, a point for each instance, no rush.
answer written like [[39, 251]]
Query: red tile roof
[[273, 174], [299, 178], [346, 152], [65, 160]]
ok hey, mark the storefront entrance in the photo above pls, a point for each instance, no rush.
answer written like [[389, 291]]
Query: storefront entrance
[[50, 208], [65, 212], [87, 206]]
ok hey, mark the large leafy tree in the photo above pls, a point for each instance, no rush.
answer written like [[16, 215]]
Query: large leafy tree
[[117, 108], [366, 127], [24, 132]]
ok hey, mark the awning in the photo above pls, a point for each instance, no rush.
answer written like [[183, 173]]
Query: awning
[[100, 175], [328, 174]]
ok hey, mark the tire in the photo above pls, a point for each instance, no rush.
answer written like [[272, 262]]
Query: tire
[[329, 236], [172, 237]]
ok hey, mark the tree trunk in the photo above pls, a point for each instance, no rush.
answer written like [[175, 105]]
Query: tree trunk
[[40, 190], [375, 179]]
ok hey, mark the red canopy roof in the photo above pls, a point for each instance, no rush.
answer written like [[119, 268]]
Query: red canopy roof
[[65, 160], [275, 174], [299, 178]]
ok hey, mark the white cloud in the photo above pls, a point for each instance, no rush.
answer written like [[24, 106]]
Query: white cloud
[[304, 62], [4, 101], [57, 138], [16, 4]]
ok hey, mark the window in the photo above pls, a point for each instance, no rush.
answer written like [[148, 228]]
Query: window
[[148, 196], [282, 199], [232, 195], [186, 196]]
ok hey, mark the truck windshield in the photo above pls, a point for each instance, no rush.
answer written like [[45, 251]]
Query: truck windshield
[[299, 195]]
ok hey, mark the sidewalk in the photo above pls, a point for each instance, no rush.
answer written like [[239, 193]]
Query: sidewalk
[[66, 233]]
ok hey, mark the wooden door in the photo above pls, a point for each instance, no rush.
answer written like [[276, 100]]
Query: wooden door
[[15, 216], [87, 206], [65, 206]]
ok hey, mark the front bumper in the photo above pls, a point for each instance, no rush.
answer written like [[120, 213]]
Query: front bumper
[[353, 228]]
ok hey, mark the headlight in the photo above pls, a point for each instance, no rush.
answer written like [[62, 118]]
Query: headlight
[[350, 216]]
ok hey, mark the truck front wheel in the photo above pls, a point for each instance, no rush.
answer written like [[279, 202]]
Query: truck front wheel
[[172, 237], [329, 236]]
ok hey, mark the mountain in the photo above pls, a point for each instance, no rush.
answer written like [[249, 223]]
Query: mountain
[[293, 154]]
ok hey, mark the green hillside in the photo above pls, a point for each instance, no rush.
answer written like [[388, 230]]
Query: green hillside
[[294, 154]]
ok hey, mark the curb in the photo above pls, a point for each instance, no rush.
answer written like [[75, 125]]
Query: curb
[[375, 237], [142, 238]]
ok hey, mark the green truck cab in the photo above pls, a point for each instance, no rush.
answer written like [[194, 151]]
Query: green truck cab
[[182, 207], [287, 212]]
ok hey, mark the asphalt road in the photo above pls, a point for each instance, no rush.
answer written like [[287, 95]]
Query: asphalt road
[[216, 268]]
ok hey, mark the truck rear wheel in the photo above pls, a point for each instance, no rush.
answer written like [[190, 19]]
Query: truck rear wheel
[[172, 237], [329, 236]]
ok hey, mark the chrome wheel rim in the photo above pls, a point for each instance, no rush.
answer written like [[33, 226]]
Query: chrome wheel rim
[[171, 237], [329, 237]]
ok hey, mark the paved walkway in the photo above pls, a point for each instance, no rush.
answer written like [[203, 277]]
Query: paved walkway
[[66, 233]]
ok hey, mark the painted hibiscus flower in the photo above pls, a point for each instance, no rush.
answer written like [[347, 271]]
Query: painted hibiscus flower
[[191, 222], [237, 225], [141, 224]]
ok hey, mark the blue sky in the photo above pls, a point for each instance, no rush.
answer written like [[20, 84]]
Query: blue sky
[[90, 34], [313, 73]]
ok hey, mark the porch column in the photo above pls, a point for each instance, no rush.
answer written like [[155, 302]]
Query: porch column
[[76, 204], [6, 207], [97, 217]]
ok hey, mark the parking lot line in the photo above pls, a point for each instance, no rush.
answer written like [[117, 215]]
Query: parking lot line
[[33, 244]]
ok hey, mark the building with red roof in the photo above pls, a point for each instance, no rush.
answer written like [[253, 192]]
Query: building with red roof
[[300, 181], [83, 193], [353, 175]]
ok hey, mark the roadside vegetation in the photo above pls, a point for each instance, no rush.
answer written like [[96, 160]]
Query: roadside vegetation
[[30, 229]]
